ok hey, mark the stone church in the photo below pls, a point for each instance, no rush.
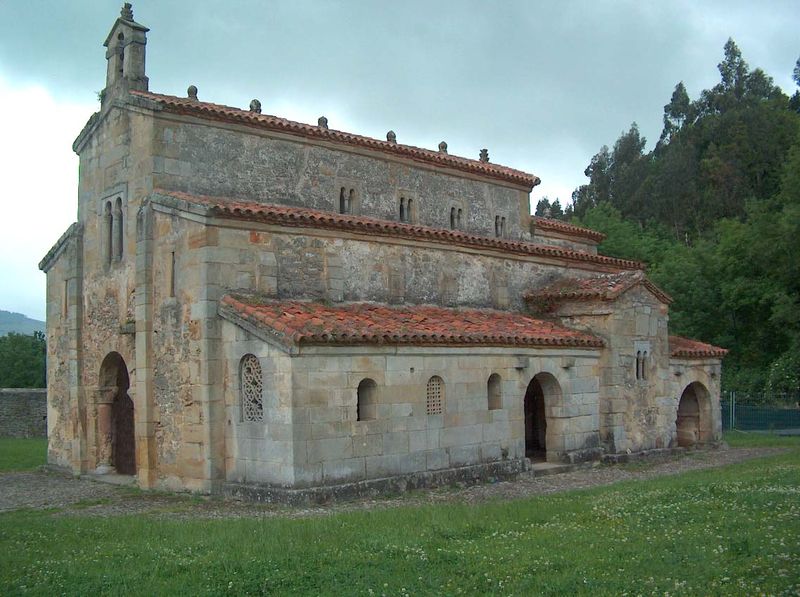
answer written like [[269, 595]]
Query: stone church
[[255, 306]]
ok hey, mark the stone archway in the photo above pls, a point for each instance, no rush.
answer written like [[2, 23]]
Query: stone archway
[[693, 423], [115, 418], [543, 390]]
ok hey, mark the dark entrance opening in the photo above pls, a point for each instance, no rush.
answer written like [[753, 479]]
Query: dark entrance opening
[[535, 422], [114, 377], [693, 424]]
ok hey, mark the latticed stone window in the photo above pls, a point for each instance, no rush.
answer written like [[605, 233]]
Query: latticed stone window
[[435, 396], [251, 388]]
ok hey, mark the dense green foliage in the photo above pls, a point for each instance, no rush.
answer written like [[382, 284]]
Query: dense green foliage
[[19, 454], [22, 361], [714, 209], [728, 531]]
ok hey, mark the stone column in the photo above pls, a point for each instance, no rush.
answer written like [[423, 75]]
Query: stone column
[[104, 398]]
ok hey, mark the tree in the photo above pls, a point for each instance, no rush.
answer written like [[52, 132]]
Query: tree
[[676, 112], [22, 360]]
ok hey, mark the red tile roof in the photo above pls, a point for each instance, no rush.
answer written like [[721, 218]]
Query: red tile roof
[[284, 215], [603, 287], [296, 322], [568, 229], [692, 349], [182, 105]]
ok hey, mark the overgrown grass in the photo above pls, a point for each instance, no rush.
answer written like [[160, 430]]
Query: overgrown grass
[[22, 454], [734, 530]]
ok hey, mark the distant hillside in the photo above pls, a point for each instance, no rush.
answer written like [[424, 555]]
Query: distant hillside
[[17, 322]]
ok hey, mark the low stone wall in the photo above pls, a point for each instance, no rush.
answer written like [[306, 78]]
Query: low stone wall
[[23, 412]]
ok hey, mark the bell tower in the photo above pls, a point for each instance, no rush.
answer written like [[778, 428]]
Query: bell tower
[[125, 52]]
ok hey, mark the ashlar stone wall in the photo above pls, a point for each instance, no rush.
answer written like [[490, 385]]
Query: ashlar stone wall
[[218, 159], [325, 443], [636, 409]]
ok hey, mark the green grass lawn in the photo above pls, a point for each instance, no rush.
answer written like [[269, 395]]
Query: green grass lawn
[[734, 530], [22, 454]]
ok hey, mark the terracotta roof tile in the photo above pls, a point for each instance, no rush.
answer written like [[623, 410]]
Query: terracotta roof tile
[[568, 229], [603, 287], [693, 349], [200, 109], [308, 323], [284, 215]]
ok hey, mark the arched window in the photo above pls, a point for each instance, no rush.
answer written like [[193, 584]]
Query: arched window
[[120, 228], [410, 210], [403, 210], [644, 365], [497, 226], [434, 402], [452, 218], [367, 400], [251, 387], [342, 201], [638, 364], [458, 219], [109, 231], [502, 227], [494, 392]]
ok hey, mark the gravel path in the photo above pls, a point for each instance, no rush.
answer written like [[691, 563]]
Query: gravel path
[[85, 497]]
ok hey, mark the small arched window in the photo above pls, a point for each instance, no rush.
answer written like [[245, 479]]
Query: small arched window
[[342, 201], [251, 387], [434, 400], [497, 226], [402, 209], [410, 210], [638, 364], [494, 392], [502, 227], [108, 224], [644, 365], [367, 400], [452, 218], [458, 220], [119, 225]]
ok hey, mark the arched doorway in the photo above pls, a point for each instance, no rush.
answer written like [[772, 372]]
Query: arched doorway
[[693, 424], [542, 389], [115, 415]]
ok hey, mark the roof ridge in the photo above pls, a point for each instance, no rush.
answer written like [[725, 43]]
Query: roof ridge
[[304, 216], [568, 228], [604, 287], [681, 347], [314, 323], [206, 109]]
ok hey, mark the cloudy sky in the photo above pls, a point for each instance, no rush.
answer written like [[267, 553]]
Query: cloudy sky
[[542, 85]]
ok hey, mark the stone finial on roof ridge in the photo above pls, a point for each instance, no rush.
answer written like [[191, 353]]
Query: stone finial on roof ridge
[[255, 106], [443, 147], [191, 92], [391, 137], [322, 122], [484, 156], [126, 13]]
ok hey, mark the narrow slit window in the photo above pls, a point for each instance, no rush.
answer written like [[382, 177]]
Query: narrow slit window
[[452, 218], [109, 226], [342, 201], [120, 229], [403, 211], [458, 219], [172, 274]]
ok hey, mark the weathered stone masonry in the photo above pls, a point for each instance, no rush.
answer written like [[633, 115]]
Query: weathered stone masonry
[[23, 412], [278, 310]]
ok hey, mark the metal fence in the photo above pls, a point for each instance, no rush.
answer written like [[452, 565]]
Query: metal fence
[[760, 412]]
